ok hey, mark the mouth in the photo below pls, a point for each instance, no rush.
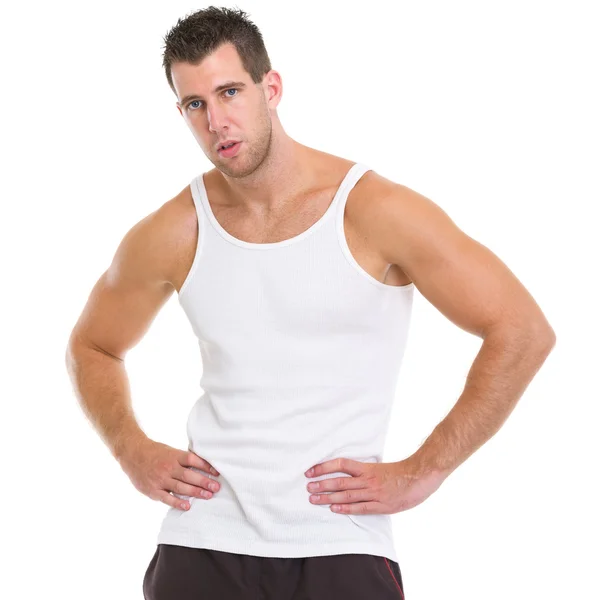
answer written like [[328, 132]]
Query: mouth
[[229, 150]]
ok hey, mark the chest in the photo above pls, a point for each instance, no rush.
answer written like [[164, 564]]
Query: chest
[[286, 224]]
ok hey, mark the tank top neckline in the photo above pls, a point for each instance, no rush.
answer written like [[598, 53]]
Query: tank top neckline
[[269, 245]]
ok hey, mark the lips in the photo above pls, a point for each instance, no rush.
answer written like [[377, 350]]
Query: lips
[[229, 152], [221, 145]]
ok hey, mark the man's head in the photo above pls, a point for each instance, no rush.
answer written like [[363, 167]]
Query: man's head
[[217, 66]]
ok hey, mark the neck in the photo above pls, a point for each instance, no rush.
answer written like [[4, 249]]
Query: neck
[[286, 171]]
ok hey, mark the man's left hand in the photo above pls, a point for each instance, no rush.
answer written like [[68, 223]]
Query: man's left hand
[[374, 488]]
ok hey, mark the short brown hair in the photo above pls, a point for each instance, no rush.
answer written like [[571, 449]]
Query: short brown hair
[[200, 33]]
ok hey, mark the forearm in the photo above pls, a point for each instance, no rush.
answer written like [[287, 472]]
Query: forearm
[[102, 388], [501, 371]]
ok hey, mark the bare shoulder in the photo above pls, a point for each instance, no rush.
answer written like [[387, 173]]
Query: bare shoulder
[[364, 215], [162, 242], [373, 185], [177, 232], [392, 214], [139, 280], [459, 275], [401, 221]]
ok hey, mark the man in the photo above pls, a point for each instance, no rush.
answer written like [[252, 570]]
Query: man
[[296, 269]]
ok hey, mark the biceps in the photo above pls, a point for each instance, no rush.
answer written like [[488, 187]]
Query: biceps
[[118, 313], [468, 283], [460, 276]]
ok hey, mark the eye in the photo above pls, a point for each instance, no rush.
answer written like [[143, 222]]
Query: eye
[[225, 92]]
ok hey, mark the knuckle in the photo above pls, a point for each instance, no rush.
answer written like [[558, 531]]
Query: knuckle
[[372, 480]]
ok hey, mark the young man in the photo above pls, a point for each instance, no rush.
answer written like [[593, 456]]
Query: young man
[[296, 269]]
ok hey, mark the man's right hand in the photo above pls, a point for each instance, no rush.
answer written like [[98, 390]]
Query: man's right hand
[[156, 469]]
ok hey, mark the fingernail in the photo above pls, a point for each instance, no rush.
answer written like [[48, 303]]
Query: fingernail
[[310, 472]]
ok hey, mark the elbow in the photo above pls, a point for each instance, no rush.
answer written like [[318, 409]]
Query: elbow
[[73, 350], [543, 338], [543, 335], [534, 337], [71, 357], [550, 340], [70, 350]]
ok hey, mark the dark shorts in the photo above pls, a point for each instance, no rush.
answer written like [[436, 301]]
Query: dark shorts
[[182, 573]]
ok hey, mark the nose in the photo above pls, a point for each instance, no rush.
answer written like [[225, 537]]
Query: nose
[[217, 118]]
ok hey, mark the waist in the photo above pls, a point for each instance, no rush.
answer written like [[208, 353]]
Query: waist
[[274, 515]]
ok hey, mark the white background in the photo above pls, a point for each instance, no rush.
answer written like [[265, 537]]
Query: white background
[[490, 109]]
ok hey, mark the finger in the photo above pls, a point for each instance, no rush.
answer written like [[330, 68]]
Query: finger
[[170, 500], [337, 465], [186, 489], [345, 497], [336, 484], [359, 508], [190, 476], [191, 459]]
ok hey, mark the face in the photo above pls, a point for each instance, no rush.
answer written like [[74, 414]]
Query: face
[[241, 110]]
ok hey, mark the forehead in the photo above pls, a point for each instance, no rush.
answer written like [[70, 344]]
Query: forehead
[[221, 65]]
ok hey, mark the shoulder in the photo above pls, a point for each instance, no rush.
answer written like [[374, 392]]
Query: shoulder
[[372, 187], [152, 249], [368, 206], [398, 219]]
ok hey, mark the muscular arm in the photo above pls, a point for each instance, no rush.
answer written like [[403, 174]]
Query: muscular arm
[[473, 288], [121, 306]]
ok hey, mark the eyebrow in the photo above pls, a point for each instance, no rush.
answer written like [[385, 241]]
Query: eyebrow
[[223, 86]]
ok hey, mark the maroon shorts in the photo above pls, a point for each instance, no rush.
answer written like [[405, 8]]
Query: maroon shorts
[[182, 573]]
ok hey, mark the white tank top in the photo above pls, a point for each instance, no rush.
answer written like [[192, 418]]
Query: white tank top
[[301, 350]]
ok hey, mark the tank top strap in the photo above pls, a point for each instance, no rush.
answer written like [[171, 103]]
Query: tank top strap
[[354, 174], [209, 226], [198, 194], [196, 187]]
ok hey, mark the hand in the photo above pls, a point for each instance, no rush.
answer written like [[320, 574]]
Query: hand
[[156, 469], [374, 488]]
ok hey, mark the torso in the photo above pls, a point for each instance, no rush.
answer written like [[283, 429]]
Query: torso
[[310, 208]]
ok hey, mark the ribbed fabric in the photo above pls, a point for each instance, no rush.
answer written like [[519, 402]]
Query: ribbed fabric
[[301, 350]]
